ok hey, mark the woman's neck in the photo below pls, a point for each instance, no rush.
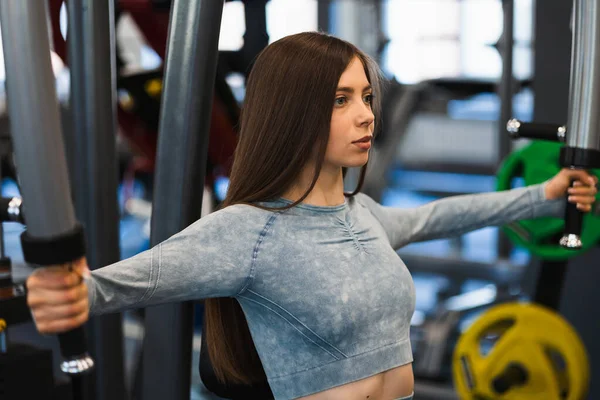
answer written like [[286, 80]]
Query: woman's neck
[[328, 190]]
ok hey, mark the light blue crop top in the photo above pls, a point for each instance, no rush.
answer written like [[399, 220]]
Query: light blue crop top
[[327, 299]]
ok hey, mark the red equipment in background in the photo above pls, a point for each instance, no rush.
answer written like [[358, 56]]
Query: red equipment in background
[[139, 94]]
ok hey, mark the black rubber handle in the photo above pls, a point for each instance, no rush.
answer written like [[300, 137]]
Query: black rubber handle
[[573, 219], [532, 130], [57, 250], [72, 343], [73, 347]]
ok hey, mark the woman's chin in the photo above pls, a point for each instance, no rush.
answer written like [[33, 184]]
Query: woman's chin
[[357, 162]]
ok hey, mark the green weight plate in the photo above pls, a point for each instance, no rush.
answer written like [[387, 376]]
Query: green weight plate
[[537, 163]]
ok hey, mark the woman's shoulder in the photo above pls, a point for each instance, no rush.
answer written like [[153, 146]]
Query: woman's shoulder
[[230, 225], [238, 215]]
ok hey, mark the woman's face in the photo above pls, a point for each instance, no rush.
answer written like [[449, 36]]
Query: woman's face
[[352, 121]]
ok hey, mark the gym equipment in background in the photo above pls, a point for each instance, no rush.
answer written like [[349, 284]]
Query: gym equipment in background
[[582, 132], [435, 339], [537, 163], [91, 155], [521, 351], [20, 364], [190, 70], [140, 93], [528, 351], [53, 235]]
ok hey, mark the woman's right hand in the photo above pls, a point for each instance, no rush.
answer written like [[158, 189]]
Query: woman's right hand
[[58, 297]]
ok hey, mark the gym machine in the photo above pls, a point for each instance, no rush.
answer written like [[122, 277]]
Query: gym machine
[[190, 72], [581, 138], [91, 156], [91, 159], [189, 77], [53, 235], [532, 346]]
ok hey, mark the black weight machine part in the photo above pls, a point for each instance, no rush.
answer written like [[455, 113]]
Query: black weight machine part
[[41, 161], [26, 373], [581, 136], [581, 151], [20, 364], [552, 274], [433, 351], [13, 304], [256, 38]]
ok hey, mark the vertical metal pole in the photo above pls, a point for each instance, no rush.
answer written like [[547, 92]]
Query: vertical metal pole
[[549, 283], [584, 97], [357, 22], [182, 150], [507, 80], [323, 15], [40, 156], [35, 121], [552, 57], [256, 37], [91, 41], [582, 148], [506, 102]]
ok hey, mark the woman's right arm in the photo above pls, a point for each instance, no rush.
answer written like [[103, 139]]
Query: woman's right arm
[[210, 258]]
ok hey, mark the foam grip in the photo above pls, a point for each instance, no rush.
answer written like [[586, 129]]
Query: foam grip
[[60, 249]]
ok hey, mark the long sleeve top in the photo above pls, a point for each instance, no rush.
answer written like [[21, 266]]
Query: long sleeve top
[[327, 298]]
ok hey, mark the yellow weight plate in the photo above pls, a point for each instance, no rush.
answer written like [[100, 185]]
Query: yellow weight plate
[[529, 339]]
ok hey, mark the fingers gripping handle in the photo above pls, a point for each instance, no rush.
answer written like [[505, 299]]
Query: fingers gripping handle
[[73, 348], [573, 225], [57, 250]]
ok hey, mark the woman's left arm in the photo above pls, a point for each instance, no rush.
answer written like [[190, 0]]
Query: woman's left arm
[[456, 215]]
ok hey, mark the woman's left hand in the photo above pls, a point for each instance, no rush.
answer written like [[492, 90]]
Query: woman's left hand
[[583, 193]]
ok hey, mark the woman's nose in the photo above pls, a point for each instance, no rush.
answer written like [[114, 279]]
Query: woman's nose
[[365, 115]]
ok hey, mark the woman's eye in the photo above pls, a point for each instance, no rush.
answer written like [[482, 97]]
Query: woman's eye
[[340, 101], [369, 98]]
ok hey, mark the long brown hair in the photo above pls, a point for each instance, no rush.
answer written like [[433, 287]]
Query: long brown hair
[[285, 123]]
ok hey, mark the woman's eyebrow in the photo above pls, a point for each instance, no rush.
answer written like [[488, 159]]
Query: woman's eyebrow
[[350, 90]]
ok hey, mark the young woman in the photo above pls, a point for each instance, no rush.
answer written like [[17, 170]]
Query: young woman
[[326, 298]]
